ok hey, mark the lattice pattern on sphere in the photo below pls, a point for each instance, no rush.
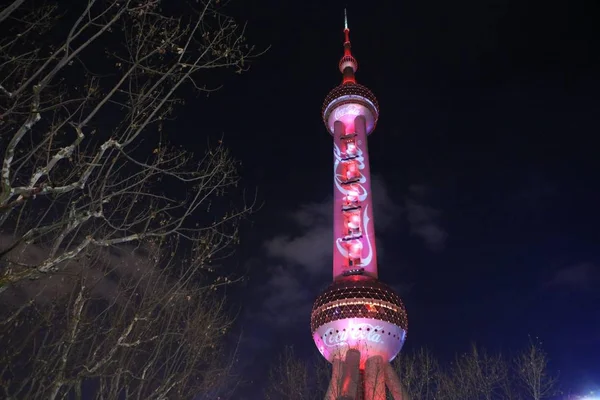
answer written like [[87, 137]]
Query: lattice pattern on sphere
[[364, 298], [348, 89]]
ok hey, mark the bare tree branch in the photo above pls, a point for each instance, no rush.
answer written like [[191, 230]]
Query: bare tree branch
[[532, 368], [10, 9], [110, 235], [156, 335], [71, 181]]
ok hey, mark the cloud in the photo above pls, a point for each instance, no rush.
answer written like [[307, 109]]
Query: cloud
[[102, 270], [424, 219], [288, 298], [299, 264], [581, 277], [309, 250], [311, 247]]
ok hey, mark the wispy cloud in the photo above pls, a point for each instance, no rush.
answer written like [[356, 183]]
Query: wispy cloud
[[581, 277], [311, 248], [424, 219], [302, 261], [101, 271], [288, 297]]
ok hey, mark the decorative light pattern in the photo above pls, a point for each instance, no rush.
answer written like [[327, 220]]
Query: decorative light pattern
[[355, 298]]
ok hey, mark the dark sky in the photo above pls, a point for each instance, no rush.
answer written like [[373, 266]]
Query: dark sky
[[485, 163]]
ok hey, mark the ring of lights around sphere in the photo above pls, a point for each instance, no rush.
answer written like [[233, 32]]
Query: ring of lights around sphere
[[347, 101], [361, 313]]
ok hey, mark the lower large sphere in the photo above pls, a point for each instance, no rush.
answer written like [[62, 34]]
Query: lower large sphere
[[362, 313]]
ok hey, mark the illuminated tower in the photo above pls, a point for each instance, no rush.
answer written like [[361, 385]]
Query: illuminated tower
[[358, 323]]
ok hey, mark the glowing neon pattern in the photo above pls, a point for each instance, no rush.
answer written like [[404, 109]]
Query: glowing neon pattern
[[361, 194], [338, 178], [348, 109], [361, 331]]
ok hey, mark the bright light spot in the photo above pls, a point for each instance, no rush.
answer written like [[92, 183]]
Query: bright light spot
[[355, 249], [591, 396], [371, 308], [350, 199]]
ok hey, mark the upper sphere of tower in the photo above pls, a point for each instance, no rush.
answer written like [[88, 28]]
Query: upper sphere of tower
[[347, 101], [348, 61]]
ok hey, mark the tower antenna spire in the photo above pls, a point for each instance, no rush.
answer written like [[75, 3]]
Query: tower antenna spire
[[348, 64], [346, 20]]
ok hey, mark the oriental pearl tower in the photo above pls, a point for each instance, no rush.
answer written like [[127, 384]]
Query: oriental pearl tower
[[358, 323]]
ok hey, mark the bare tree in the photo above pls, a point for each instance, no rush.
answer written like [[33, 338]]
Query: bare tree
[[120, 333], [85, 94], [88, 175], [532, 369], [296, 379], [419, 373], [477, 375], [474, 375]]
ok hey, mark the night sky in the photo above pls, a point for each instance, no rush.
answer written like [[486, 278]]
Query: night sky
[[485, 167]]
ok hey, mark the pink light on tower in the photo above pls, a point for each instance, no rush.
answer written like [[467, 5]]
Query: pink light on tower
[[358, 323]]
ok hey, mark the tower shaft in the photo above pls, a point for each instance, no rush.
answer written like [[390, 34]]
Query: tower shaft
[[354, 250]]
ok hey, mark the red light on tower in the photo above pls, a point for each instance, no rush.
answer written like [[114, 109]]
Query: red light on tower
[[368, 328]]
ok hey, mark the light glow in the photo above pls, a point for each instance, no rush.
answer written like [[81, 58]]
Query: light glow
[[354, 221], [364, 334], [590, 396], [345, 19], [351, 148], [354, 332], [348, 109], [355, 249], [352, 194]]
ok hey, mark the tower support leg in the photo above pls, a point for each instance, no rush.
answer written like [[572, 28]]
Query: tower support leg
[[335, 384], [351, 377], [393, 383], [348, 382], [374, 379]]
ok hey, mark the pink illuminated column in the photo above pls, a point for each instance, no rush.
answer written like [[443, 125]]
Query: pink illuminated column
[[353, 227], [358, 323]]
